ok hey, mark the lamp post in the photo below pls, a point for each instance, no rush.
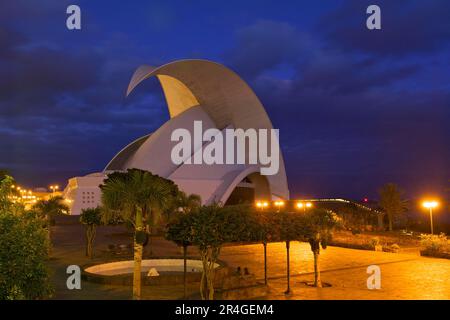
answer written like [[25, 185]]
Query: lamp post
[[262, 205], [279, 204], [304, 206], [430, 205], [54, 188]]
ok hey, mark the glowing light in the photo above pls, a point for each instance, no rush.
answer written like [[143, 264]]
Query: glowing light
[[262, 204], [303, 205], [279, 203], [430, 204]]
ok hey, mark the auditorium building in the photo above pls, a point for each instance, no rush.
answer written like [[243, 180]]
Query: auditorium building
[[195, 90]]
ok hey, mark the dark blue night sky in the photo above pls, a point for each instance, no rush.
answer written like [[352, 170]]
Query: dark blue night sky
[[355, 108]]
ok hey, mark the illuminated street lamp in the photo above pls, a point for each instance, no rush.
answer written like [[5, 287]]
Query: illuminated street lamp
[[430, 205], [303, 205], [54, 188], [262, 204], [279, 204]]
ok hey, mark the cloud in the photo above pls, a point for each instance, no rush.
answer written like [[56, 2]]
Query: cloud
[[265, 45], [344, 114], [353, 111], [408, 27], [58, 105]]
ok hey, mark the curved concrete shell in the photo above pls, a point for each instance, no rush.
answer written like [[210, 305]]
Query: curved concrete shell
[[225, 98], [195, 90]]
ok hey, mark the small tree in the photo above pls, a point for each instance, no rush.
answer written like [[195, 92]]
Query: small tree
[[209, 231], [391, 203], [179, 231], [289, 230], [264, 230], [23, 255], [318, 225], [209, 228], [91, 218]]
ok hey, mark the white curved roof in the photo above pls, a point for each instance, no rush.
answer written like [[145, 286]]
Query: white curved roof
[[207, 91]]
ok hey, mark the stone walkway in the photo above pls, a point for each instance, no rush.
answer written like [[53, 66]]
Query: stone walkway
[[301, 258], [403, 276]]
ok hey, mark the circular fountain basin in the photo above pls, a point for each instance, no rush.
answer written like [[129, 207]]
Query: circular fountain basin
[[170, 271]]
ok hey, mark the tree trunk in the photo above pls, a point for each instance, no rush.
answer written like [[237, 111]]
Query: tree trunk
[[94, 232], [138, 248], [87, 241], [137, 271], [265, 262], [380, 221], [149, 230], [90, 237], [49, 234], [184, 270], [209, 258], [211, 280], [203, 282], [288, 273], [390, 218], [213, 258], [317, 280]]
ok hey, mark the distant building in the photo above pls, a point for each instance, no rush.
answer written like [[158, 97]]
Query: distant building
[[83, 192], [195, 90]]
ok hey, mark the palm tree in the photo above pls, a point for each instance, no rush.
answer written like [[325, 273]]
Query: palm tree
[[48, 209], [391, 202], [139, 197], [188, 203]]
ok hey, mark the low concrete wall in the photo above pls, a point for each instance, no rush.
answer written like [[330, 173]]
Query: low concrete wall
[[170, 271]]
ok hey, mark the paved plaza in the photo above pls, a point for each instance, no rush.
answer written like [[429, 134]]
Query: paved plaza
[[403, 276]]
